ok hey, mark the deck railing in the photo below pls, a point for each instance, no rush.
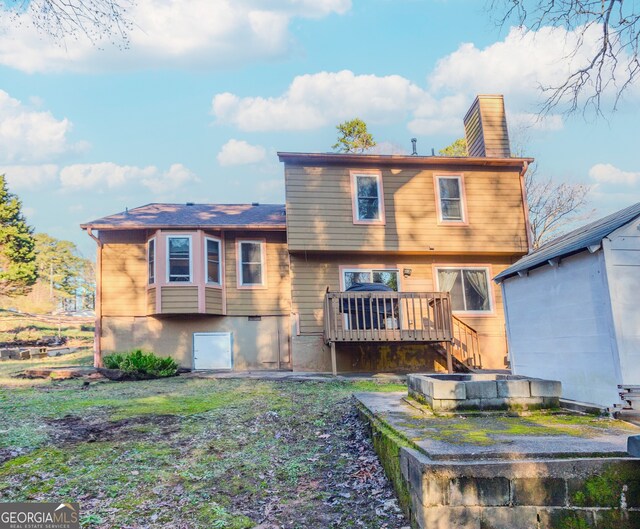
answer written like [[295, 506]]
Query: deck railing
[[465, 346], [387, 317]]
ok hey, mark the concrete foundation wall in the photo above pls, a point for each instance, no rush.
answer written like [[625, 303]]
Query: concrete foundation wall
[[257, 344]]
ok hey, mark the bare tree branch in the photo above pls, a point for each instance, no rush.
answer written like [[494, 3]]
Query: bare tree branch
[[612, 67], [553, 207], [98, 20]]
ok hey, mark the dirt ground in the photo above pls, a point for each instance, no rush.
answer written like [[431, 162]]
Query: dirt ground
[[189, 453]]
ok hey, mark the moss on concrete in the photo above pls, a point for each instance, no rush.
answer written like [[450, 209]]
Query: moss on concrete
[[387, 443], [489, 429]]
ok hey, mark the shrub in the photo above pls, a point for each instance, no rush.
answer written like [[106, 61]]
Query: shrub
[[139, 362]]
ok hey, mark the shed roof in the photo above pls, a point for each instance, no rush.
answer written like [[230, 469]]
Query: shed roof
[[573, 242], [233, 216]]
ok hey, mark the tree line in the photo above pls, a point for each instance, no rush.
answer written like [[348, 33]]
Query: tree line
[[37, 270]]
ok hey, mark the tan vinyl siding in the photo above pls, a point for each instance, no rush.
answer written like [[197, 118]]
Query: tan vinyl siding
[[319, 212], [311, 275], [124, 273], [151, 301], [275, 299], [179, 300], [214, 301], [486, 128], [473, 131]]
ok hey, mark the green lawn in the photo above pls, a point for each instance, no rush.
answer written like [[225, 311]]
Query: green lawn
[[193, 453]]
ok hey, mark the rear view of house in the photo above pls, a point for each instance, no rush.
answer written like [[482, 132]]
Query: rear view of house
[[250, 287], [572, 311]]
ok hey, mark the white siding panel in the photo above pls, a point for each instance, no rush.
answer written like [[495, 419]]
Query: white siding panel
[[560, 328], [622, 254]]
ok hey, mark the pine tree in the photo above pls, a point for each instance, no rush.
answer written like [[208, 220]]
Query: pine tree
[[353, 137], [17, 246]]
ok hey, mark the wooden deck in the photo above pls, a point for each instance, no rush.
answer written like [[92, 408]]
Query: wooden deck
[[388, 317]]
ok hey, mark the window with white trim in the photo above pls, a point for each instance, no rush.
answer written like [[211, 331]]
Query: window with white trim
[[387, 277], [151, 261], [178, 259], [212, 261], [470, 288], [368, 197], [251, 263], [450, 197]]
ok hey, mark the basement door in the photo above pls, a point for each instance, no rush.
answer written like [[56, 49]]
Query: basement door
[[212, 350]]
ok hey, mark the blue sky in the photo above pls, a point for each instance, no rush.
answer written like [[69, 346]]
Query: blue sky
[[209, 90]]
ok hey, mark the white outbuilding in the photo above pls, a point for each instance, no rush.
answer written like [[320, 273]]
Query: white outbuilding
[[572, 311]]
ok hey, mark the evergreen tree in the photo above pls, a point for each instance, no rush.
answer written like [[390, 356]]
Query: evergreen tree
[[353, 137], [17, 246]]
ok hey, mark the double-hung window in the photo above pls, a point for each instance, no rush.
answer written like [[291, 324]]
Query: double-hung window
[[450, 199], [151, 261], [251, 269], [368, 207], [178, 259], [212, 261], [470, 288]]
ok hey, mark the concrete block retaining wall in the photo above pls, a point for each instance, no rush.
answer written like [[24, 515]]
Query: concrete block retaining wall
[[483, 392], [582, 493], [554, 494]]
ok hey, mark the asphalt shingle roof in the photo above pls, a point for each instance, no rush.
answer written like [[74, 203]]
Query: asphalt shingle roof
[[195, 216], [574, 241]]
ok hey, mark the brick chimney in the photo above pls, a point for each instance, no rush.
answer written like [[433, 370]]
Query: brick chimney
[[485, 128]]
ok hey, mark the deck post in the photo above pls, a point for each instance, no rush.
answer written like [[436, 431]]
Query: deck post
[[448, 347], [334, 363]]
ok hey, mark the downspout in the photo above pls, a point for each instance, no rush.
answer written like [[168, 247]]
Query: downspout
[[525, 206], [97, 342]]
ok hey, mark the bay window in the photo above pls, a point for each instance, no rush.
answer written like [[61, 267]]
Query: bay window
[[179, 259], [212, 261]]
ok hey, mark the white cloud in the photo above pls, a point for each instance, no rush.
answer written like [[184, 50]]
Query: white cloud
[[183, 33], [516, 67], [30, 135], [316, 100], [605, 173], [29, 177], [97, 175], [239, 152], [528, 120], [174, 178], [110, 175]]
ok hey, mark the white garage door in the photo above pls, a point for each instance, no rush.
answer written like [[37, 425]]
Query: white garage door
[[212, 350]]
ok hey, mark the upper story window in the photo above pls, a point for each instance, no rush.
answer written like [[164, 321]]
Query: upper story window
[[151, 261], [368, 206], [251, 271], [469, 288], [178, 259], [213, 261], [450, 199]]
